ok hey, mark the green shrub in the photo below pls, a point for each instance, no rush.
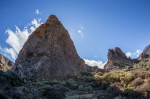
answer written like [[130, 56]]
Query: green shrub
[[144, 64], [85, 96], [99, 74], [53, 92], [40, 83], [128, 92], [12, 78], [85, 88], [25, 89], [45, 89], [86, 74], [109, 89], [87, 78], [71, 84]]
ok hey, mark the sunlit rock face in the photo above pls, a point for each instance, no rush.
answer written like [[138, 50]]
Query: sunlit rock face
[[145, 54], [118, 60], [49, 53], [5, 63]]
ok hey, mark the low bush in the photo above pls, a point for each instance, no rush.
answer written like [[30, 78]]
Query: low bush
[[25, 89], [85, 96], [52, 93], [55, 94], [128, 92], [71, 84], [12, 78], [45, 89], [143, 64], [86, 74], [115, 76], [85, 88], [109, 89]]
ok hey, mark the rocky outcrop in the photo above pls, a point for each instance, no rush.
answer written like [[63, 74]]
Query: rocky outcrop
[[145, 54], [5, 64], [117, 60], [49, 53]]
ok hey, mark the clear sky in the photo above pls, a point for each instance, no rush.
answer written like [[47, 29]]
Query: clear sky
[[94, 25]]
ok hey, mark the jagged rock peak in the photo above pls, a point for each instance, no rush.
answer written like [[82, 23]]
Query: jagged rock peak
[[117, 60], [53, 20], [49, 53], [145, 54], [115, 53], [5, 63]]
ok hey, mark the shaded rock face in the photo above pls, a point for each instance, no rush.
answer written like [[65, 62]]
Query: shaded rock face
[[145, 54], [117, 60], [5, 64], [49, 53]]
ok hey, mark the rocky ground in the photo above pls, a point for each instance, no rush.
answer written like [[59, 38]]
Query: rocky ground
[[129, 83]]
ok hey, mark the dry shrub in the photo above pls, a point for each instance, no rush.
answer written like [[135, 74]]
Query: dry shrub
[[115, 76], [136, 82]]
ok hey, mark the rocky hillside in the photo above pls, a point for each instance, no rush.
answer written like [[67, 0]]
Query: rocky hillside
[[145, 54], [49, 53], [117, 60], [5, 63]]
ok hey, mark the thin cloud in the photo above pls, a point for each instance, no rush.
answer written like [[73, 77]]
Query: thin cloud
[[80, 32], [37, 11], [134, 54], [0, 48]]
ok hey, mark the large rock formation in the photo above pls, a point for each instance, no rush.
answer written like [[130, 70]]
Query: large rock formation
[[5, 64], [117, 60], [49, 53], [145, 54]]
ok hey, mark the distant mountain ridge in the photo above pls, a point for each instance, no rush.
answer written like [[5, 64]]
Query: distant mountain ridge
[[145, 54], [5, 63]]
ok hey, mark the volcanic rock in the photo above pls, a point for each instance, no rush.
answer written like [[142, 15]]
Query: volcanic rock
[[145, 54], [49, 53], [5, 63], [117, 60]]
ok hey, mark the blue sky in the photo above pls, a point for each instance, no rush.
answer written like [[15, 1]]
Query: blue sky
[[94, 25]]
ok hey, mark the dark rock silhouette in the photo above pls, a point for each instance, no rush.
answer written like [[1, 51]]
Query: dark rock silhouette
[[49, 53], [117, 60]]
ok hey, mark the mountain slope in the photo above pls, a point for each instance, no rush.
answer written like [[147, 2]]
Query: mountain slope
[[145, 54], [49, 53]]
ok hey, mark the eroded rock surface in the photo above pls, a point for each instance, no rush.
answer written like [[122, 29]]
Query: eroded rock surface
[[5, 63], [145, 54], [117, 60], [49, 53]]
